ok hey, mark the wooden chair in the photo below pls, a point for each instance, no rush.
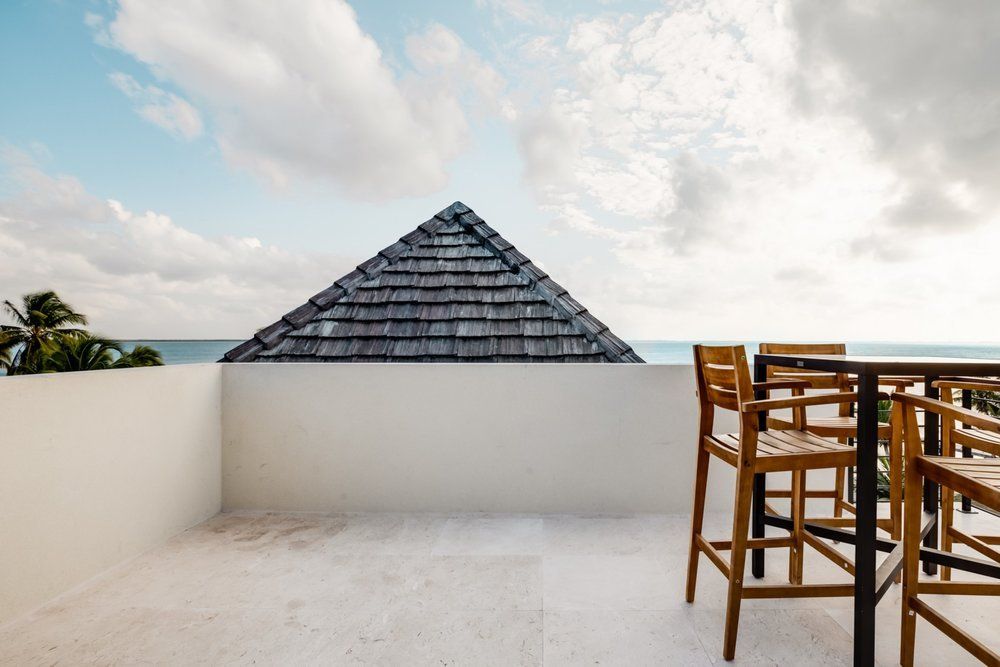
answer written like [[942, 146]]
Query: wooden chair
[[842, 427], [723, 380], [978, 479], [970, 439]]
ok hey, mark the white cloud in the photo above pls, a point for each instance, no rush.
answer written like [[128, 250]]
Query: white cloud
[[306, 93], [666, 112], [922, 80], [551, 141], [445, 68], [168, 111], [27, 192], [740, 202], [141, 274], [734, 169]]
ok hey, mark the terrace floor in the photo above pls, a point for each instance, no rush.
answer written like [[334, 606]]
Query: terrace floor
[[449, 589]]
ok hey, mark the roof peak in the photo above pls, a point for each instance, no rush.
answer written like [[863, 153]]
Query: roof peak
[[456, 209], [430, 259]]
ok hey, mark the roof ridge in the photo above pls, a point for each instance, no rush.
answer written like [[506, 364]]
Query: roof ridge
[[516, 262]]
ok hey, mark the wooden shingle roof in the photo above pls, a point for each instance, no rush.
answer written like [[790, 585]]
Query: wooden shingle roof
[[451, 290]]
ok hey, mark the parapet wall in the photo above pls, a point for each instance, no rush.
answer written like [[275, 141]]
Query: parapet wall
[[97, 467], [461, 437]]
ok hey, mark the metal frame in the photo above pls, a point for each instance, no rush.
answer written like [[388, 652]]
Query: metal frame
[[932, 447], [966, 450], [870, 584]]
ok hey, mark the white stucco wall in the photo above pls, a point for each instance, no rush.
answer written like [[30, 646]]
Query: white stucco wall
[[98, 467], [444, 437]]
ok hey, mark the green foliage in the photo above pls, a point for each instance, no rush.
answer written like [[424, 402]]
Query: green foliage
[[81, 352], [141, 355], [882, 476], [39, 322], [45, 337], [8, 347], [987, 402]]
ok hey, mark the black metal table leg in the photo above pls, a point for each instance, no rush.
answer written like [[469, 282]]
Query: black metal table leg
[[932, 447], [850, 470], [865, 594], [966, 450], [757, 523], [759, 484]]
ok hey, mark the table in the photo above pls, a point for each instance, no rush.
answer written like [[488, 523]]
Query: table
[[870, 584]]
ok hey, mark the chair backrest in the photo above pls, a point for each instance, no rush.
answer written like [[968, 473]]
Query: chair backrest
[[723, 375], [818, 380], [982, 440]]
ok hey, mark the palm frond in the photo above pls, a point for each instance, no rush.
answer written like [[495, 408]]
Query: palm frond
[[140, 356], [8, 349], [58, 320], [81, 353], [15, 313], [11, 332], [40, 322]]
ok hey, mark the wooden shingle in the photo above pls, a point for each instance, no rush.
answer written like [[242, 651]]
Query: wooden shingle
[[451, 290]]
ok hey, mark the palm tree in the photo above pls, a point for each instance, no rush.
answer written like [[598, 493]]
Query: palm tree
[[987, 401], [39, 323], [81, 352], [140, 356], [43, 340], [7, 349], [86, 352]]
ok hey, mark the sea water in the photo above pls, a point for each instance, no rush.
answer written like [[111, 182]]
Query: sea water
[[186, 351], [672, 352], [653, 351], [679, 351]]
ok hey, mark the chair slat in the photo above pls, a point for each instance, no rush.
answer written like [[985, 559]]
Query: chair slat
[[724, 398], [720, 376], [818, 380], [803, 348], [977, 439], [722, 370], [716, 354]]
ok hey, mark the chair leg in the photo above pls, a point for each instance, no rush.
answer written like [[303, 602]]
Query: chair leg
[[947, 519], [737, 563], [896, 483], [911, 564], [795, 554], [697, 519], [838, 486]]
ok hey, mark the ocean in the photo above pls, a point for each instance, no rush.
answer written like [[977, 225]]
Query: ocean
[[679, 351], [187, 351], [653, 351], [673, 352]]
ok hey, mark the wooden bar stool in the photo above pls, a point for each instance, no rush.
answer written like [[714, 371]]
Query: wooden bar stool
[[978, 479], [970, 439], [842, 427], [723, 380]]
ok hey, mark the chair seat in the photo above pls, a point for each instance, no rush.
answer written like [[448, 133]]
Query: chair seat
[[987, 441], [785, 450], [833, 427], [850, 423], [978, 479], [842, 427]]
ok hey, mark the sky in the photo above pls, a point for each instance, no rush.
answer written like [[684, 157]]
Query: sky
[[699, 169]]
